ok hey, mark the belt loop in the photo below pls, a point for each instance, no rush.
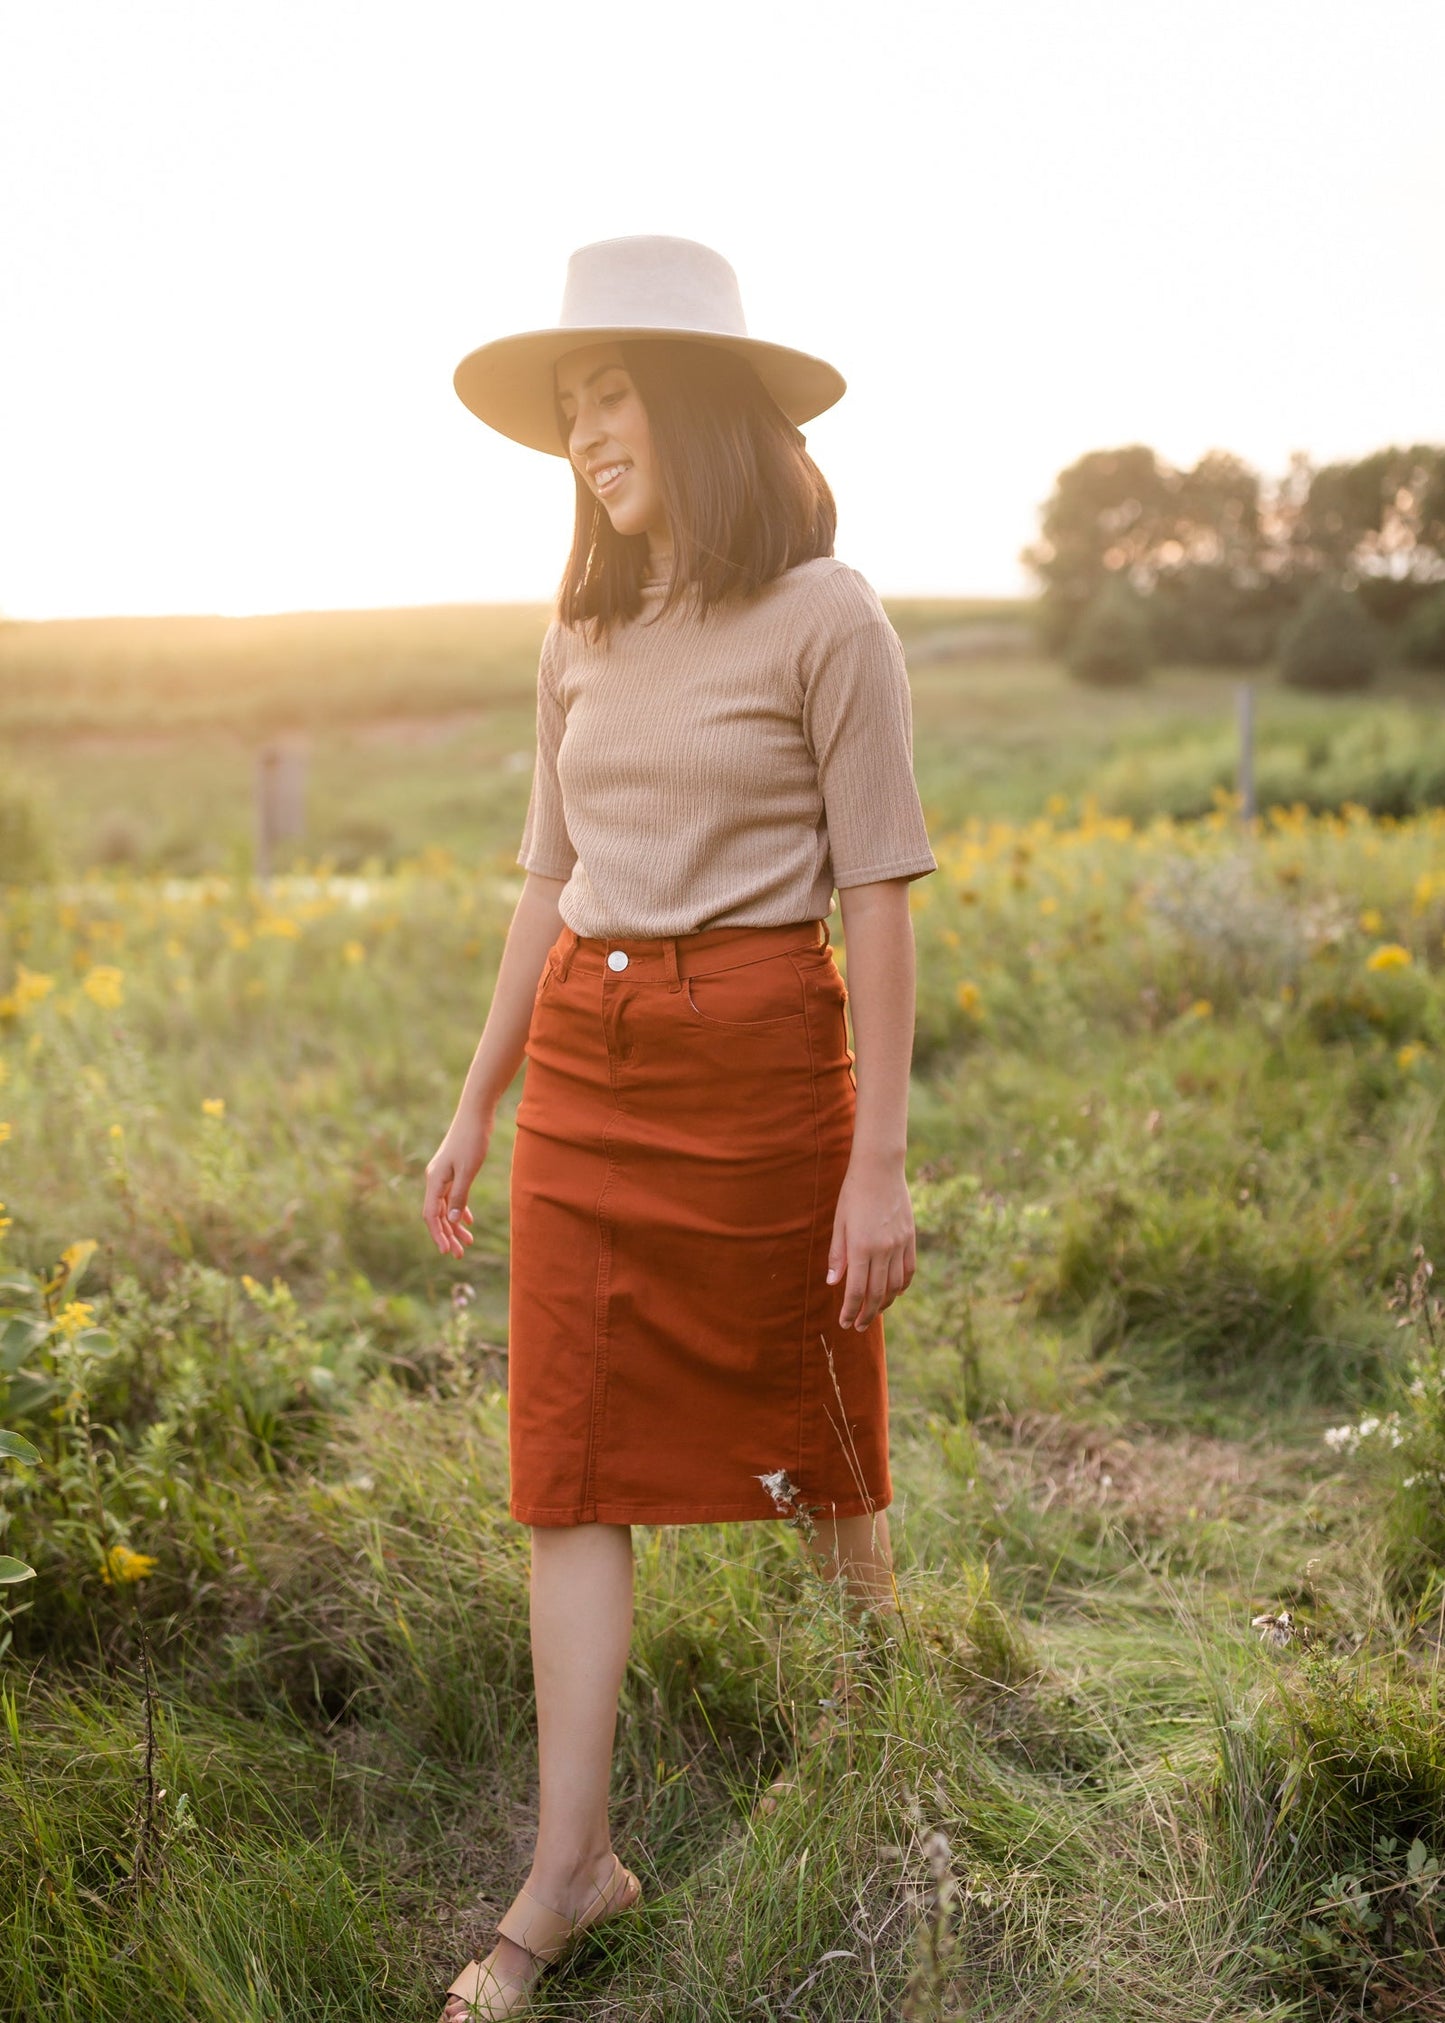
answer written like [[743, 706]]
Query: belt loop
[[669, 961], [569, 949], [827, 939]]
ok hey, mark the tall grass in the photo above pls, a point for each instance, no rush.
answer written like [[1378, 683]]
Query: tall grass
[[1161, 1734]]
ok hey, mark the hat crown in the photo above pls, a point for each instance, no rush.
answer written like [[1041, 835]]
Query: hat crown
[[652, 281]]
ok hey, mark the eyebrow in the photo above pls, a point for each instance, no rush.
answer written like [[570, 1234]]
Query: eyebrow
[[614, 367]]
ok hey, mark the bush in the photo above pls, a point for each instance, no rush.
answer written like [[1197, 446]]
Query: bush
[[1404, 1445], [1193, 1284], [1112, 647], [1332, 643], [26, 852], [1203, 615], [1347, 1898], [1422, 636]]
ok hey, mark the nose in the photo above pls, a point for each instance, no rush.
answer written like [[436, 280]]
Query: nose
[[583, 436]]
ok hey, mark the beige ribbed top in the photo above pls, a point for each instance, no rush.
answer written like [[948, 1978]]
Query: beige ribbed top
[[726, 771]]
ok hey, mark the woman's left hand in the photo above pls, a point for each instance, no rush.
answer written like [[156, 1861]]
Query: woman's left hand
[[873, 1240]]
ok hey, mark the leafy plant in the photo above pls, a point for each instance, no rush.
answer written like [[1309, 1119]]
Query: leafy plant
[[14, 1447]]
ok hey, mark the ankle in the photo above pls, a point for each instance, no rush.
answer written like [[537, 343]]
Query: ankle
[[567, 1880]]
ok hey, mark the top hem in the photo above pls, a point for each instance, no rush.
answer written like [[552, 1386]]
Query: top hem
[[901, 867]]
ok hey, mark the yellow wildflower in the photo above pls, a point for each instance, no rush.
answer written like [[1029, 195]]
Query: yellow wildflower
[[1048, 904], [6, 1221], [252, 1285], [122, 1568], [236, 934], [73, 1316], [31, 985], [214, 1106], [969, 998], [1389, 955], [117, 1130], [4, 1133], [949, 936], [1407, 1055], [1201, 1008], [281, 925], [76, 1256], [354, 951], [1371, 920], [105, 985]]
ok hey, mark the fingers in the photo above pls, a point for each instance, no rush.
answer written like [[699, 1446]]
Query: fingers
[[434, 1204], [875, 1279], [458, 1228], [837, 1250], [446, 1213]]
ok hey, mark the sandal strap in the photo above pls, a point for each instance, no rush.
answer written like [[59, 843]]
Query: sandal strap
[[543, 1932], [485, 1987]]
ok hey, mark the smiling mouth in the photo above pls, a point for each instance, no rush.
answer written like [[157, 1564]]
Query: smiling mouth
[[610, 477]]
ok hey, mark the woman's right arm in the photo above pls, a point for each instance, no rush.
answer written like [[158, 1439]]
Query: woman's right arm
[[501, 1049]]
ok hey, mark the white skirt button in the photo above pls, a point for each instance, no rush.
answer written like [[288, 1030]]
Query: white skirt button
[[617, 958]]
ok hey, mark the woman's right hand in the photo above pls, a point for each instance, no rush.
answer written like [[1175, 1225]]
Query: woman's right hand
[[456, 1162], [450, 1172]]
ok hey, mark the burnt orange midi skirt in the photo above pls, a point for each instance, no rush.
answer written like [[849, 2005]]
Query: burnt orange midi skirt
[[684, 1128]]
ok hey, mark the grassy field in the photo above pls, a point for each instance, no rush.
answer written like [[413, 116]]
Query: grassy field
[[137, 739], [1164, 1736]]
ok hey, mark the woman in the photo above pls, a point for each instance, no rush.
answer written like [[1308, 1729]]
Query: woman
[[709, 1210]]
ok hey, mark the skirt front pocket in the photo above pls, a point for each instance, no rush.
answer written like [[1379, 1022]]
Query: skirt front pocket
[[754, 996]]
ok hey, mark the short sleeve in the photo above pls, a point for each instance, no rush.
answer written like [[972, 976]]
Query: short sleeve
[[858, 721], [546, 846]]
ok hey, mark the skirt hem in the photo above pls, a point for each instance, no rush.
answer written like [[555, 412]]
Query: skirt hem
[[714, 1513]]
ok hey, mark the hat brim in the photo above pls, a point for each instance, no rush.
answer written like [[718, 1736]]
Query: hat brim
[[508, 383]]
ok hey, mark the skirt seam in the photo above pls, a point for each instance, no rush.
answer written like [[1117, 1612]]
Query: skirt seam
[[601, 1332], [801, 1476]]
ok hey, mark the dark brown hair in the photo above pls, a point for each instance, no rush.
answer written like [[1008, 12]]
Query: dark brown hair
[[744, 500]]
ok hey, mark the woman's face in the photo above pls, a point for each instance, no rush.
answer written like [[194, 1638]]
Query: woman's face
[[608, 439]]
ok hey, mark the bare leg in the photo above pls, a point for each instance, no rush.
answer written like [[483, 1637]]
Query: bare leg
[[858, 1549], [581, 1629]]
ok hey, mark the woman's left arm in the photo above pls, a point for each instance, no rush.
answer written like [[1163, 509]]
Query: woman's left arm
[[873, 1235]]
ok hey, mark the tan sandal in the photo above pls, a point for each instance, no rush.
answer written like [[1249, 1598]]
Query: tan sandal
[[545, 1934]]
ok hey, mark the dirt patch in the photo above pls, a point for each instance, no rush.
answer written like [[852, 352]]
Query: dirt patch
[[1156, 1484]]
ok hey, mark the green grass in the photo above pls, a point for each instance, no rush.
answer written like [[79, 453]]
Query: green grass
[[1176, 1132]]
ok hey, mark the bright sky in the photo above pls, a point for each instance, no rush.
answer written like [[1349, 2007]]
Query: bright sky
[[244, 243]]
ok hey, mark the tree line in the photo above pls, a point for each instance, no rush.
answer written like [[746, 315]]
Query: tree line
[[1330, 568]]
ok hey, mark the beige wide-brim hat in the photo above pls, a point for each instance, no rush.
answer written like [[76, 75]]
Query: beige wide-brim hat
[[647, 286]]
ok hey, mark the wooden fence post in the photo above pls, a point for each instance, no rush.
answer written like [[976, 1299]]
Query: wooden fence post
[[1246, 751]]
